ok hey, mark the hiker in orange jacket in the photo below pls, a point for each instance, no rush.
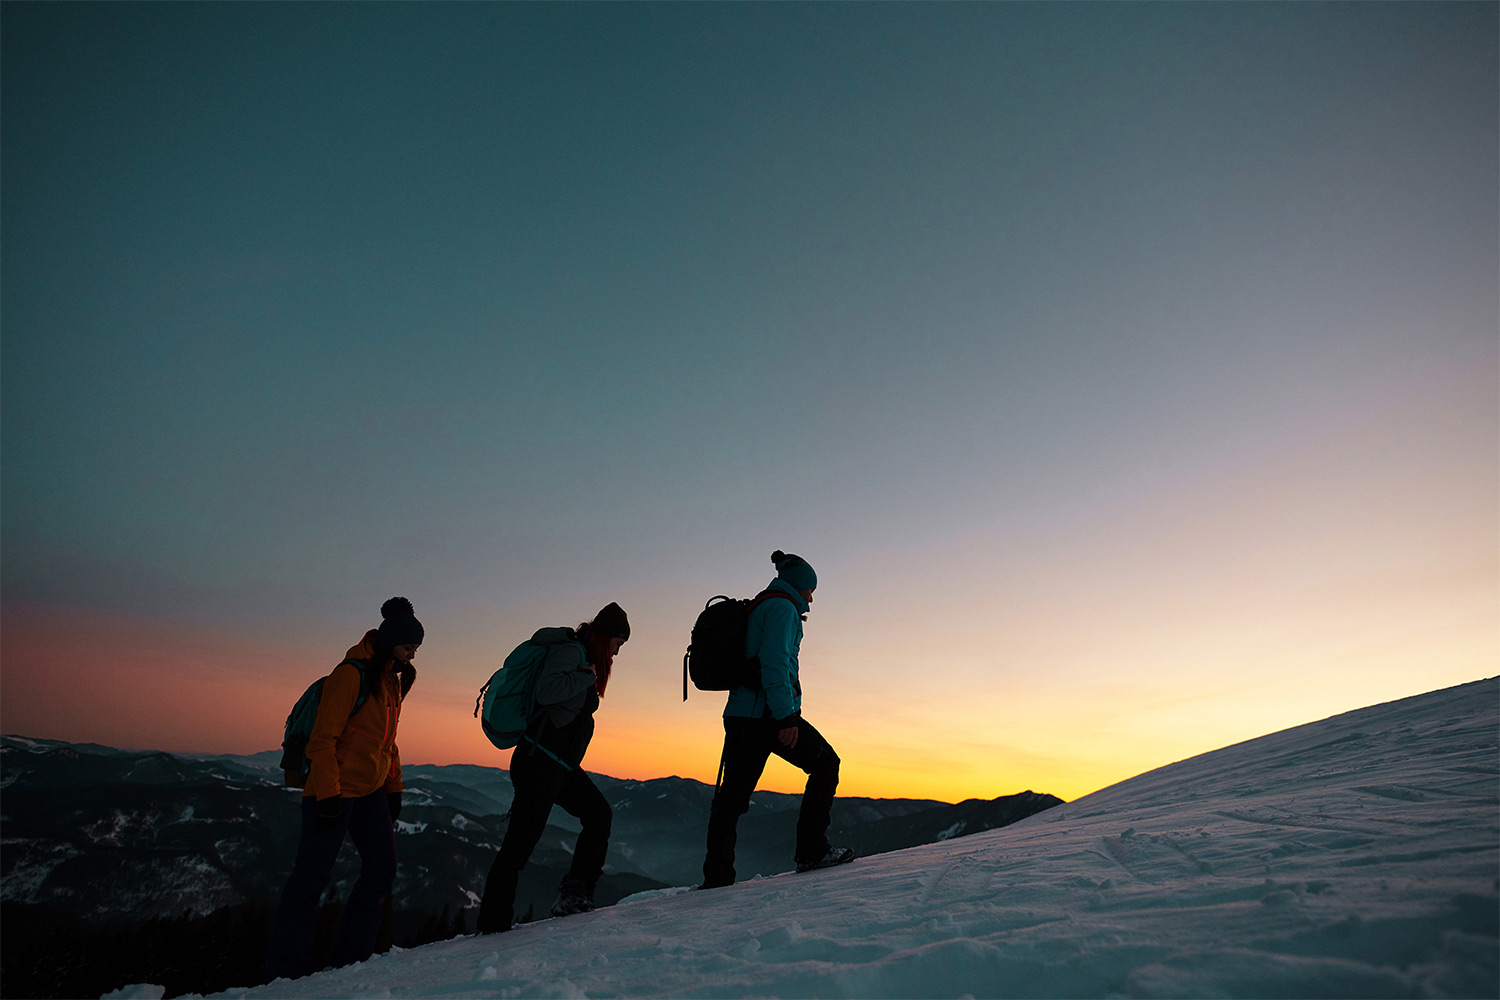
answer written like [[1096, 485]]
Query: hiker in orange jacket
[[354, 788]]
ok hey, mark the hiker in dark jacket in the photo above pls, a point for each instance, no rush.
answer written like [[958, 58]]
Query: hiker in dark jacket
[[545, 769], [354, 788], [758, 723]]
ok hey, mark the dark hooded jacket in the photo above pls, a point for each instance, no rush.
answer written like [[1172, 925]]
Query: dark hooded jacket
[[565, 697]]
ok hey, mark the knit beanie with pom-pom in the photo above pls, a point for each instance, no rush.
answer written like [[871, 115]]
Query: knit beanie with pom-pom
[[794, 570], [399, 626]]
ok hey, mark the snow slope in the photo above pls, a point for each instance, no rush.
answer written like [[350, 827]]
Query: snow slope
[[1354, 857]]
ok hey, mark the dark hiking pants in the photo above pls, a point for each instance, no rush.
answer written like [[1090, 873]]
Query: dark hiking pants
[[540, 783], [367, 821], [748, 744]]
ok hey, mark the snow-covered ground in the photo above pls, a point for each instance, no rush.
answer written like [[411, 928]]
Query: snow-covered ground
[[1354, 857]]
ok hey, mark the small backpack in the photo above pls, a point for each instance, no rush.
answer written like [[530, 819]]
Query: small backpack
[[299, 724], [715, 657], [508, 698]]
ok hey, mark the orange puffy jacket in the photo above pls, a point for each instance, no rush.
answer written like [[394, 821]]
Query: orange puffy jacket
[[354, 755]]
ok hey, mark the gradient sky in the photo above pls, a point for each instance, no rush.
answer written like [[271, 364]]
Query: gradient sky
[[1128, 372]]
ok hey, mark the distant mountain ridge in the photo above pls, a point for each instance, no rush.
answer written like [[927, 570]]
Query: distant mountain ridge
[[103, 835]]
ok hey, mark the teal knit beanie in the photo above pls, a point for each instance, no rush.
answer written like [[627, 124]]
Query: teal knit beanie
[[794, 570]]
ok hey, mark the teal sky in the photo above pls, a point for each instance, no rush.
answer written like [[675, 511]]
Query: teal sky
[[517, 309]]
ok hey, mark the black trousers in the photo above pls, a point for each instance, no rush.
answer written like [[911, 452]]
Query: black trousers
[[748, 744], [367, 821], [540, 783]]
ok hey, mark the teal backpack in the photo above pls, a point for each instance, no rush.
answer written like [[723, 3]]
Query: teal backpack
[[294, 763], [507, 701]]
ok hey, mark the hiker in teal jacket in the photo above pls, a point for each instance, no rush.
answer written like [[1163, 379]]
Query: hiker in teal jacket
[[546, 769], [774, 634], [767, 719]]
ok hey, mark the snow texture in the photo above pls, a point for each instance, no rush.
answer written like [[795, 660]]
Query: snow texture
[[1354, 857]]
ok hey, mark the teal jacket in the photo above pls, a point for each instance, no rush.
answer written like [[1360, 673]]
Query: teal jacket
[[774, 634]]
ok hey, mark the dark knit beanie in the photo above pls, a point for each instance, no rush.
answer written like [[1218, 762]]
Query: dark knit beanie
[[612, 622], [794, 570], [400, 626]]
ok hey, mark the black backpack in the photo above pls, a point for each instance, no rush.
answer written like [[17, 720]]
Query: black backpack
[[715, 657]]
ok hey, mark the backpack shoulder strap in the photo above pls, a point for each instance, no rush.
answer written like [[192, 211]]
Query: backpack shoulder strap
[[364, 682], [766, 595]]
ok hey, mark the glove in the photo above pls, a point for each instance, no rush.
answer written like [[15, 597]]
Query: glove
[[394, 798], [787, 731], [330, 812]]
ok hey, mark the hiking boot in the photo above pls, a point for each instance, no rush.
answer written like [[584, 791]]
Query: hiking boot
[[570, 903], [492, 925], [835, 856]]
